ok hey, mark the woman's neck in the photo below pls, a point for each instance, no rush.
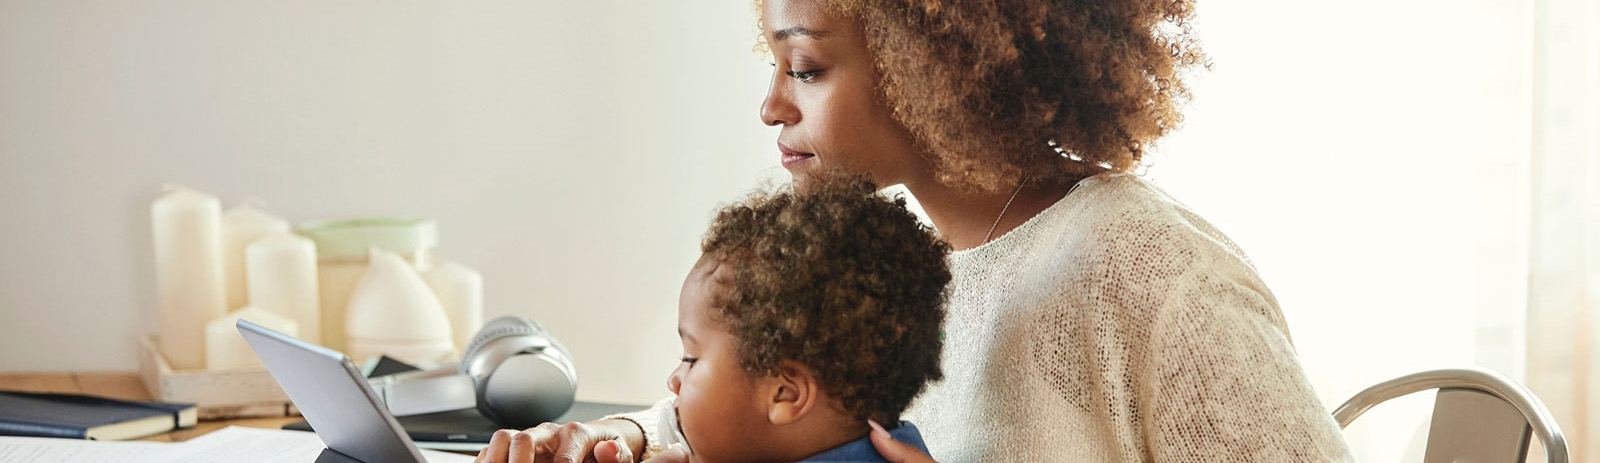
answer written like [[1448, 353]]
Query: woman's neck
[[965, 219]]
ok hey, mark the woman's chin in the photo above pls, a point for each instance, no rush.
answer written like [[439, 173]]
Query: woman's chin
[[801, 172]]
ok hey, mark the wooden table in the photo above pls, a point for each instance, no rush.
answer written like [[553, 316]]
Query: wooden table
[[126, 386]]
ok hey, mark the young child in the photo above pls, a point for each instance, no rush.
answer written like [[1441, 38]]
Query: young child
[[809, 313]]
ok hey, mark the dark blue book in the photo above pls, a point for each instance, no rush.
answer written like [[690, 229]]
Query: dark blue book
[[76, 416]]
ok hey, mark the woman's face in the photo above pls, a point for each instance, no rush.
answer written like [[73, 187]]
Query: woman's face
[[825, 97]]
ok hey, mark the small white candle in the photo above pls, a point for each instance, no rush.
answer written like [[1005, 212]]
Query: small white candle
[[460, 291], [226, 349], [241, 226], [188, 255], [281, 277]]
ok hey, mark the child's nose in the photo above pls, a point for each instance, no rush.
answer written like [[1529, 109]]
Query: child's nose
[[673, 382]]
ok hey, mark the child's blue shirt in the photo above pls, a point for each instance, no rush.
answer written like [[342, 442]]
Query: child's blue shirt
[[862, 451]]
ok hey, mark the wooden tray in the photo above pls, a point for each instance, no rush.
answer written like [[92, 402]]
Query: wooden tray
[[220, 395]]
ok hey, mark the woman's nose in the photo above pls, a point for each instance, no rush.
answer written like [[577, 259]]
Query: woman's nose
[[778, 108]]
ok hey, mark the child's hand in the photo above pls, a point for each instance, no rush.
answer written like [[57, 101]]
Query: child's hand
[[893, 450], [613, 452], [675, 454]]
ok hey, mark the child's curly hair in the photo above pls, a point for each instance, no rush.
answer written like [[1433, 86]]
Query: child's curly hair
[[838, 279], [1050, 90]]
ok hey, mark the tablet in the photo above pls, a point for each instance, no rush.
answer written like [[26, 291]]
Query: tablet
[[333, 398]]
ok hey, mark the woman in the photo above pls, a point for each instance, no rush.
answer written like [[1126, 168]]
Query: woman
[[1092, 317]]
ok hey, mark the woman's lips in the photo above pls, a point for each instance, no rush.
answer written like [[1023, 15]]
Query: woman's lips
[[791, 157]]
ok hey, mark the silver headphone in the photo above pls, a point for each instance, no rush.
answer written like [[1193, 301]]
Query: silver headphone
[[521, 374], [514, 372]]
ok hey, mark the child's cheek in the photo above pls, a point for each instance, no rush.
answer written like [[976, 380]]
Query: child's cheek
[[704, 423], [691, 412]]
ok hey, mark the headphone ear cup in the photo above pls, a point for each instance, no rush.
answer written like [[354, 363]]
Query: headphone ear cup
[[488, 411], [521, 375], [527, 390]]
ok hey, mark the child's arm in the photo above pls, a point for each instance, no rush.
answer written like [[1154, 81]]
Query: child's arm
[[658, 425]]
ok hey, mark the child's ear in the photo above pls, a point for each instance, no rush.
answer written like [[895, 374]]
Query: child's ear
[[794, 392]]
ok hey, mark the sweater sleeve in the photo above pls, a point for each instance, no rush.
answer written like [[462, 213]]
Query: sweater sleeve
[[1223, 383], [652, 421]]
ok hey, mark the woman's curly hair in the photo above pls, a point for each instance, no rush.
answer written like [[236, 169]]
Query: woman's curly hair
[[838, 279], [1047, 90]]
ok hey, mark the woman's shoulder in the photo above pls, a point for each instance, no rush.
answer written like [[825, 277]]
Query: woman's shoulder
[[1117, 237], [1125, 238], [1124, 215]]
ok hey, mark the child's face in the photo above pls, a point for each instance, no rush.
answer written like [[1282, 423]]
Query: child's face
[[719, 404]]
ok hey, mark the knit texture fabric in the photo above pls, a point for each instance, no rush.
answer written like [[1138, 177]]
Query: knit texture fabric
[[1115, 326], [658, 423], [1118, 326]]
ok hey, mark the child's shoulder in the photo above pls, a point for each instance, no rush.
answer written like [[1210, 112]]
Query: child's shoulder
[[862, 451]]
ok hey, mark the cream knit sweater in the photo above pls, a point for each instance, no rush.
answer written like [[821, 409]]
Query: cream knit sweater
[[1115, 326]]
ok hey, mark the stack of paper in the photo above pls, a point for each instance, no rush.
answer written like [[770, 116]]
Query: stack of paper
[[228, 444], [52, 450]]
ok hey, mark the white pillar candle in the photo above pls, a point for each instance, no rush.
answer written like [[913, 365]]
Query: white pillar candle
[[188, 256], [336, 280], [226, 349], [241, 226], [460, 291], [281, 277]]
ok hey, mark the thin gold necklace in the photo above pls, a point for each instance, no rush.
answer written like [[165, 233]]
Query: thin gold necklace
[[986, 238], [1002, 212]]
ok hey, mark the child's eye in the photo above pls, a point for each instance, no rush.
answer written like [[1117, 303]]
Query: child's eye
[[690, 360]]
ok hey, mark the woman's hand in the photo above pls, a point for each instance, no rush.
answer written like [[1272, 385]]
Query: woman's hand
[[605, 441], [893, 450]]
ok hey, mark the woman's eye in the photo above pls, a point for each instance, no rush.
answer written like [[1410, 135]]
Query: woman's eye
[[804, 76]]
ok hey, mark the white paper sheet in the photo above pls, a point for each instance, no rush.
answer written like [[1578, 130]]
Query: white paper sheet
[[232, 443], [50, 450], [270, 446]]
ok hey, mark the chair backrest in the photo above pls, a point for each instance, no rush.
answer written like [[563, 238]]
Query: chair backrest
[[1474, 426], [1479, 416]]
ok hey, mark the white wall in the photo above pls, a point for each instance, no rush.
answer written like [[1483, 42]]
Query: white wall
[[1373, 157], [571, 151]]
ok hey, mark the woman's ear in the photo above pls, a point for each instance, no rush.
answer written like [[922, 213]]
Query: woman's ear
[[792, 393]]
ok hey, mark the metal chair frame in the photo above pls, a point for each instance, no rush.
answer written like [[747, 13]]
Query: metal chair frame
[[1533, 411]]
